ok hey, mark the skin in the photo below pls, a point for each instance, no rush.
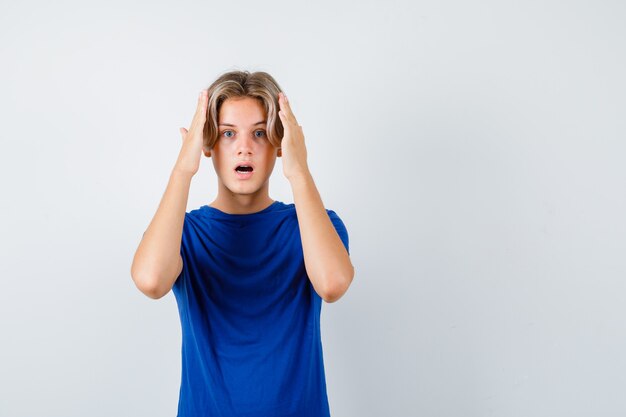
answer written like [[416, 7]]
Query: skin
[[157, 262], [326, 259], [243, 141]]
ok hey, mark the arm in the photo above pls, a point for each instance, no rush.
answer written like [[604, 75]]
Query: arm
[[157, 262], [326, 259]]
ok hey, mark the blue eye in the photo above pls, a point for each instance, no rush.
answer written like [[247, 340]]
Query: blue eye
[[262, 133]]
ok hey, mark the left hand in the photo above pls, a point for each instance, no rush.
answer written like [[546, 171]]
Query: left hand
[[292, 146]]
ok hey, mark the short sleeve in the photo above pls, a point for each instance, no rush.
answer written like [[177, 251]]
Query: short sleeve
[[183, 250], [340, 227]]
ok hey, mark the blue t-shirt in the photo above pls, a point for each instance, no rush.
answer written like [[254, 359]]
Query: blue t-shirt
[[250, 316]]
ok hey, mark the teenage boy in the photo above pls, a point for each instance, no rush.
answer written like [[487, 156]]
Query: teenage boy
[[248, 272]]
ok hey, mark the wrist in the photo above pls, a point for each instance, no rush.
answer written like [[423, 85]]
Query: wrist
[[300, 177], [182, 173]]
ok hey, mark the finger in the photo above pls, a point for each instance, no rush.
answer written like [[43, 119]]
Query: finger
[[286, 107], [199, 116], [201, 96], [202, 102], [284, 103], [286, 122], [201, 106]]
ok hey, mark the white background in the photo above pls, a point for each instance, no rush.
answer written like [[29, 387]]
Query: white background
[[474, 150]]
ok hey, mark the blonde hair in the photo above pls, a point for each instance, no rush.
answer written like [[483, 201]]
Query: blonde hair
[[258, 85]]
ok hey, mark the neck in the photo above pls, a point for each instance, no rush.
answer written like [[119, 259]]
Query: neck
[[233, 203]]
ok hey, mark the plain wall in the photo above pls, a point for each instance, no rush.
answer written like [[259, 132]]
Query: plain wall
[[474, 150]]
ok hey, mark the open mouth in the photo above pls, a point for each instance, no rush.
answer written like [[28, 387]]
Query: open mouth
[[244, 168], [244, 171]]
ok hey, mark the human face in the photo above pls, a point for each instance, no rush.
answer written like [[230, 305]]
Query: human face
[[242, 124]]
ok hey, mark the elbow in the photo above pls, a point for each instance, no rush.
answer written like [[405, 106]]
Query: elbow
[[155, 293], [151, 291], [331, 297], [338, 287], [148, 286]]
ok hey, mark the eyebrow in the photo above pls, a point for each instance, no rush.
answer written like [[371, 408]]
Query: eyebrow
[[232, 125]]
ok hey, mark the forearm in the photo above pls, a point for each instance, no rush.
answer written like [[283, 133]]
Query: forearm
[[326, 259], [157, 259]]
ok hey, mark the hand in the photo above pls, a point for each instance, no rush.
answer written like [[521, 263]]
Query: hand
[[292, 145], [191, 151]]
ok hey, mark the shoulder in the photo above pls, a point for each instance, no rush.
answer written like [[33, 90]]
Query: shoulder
[[334, 216]]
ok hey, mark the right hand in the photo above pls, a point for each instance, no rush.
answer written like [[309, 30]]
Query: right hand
[[191, 151]]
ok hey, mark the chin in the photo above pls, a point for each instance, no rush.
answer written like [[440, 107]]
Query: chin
[[244, 187], [246, 191]]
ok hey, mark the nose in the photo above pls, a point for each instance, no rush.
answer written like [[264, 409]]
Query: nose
[[245, 145]]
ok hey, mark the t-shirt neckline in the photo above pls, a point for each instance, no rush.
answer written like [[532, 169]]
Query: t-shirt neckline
[[221, 213]]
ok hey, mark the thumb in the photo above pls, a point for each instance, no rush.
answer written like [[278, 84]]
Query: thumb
[[183, 132]]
